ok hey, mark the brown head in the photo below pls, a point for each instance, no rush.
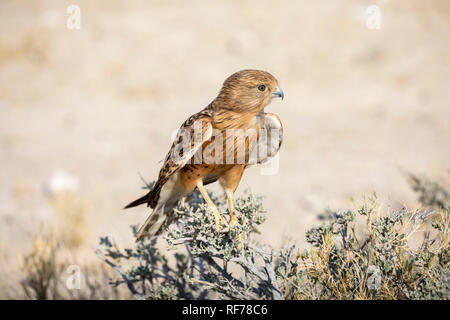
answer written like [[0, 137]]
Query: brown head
[[248, 91]]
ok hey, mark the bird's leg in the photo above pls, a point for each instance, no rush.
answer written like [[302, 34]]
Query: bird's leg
[[233, 220], [217, 216]]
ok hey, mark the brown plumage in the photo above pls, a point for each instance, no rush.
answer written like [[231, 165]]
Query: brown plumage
[[204, 151]]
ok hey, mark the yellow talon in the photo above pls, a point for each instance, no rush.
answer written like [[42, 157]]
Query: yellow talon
[[217, 217], [233, 219], [240, 241]]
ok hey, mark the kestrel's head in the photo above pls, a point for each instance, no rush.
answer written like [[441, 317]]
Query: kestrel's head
[[249, 91]]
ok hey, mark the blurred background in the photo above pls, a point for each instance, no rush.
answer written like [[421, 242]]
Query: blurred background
[[84, 111]]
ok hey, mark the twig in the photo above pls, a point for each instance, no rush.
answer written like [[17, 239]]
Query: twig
[[272, 278], [225, 274], [130, 285], [182, 241], [236, 290], [212, 285]]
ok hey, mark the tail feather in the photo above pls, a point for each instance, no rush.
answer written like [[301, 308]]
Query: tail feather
[[163, 198], [137, 202], [152, 225]]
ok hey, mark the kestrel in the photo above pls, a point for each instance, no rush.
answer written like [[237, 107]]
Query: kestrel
[[216, 144]]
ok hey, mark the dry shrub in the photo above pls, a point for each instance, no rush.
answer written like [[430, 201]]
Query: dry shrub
[[39, 269], [380, 263], [43, 272], [375, 262], [70, 218]]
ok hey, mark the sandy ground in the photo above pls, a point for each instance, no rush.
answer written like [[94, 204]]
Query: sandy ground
[[100, 103]]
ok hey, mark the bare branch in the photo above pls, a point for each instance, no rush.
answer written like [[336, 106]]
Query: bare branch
[[130, 285]]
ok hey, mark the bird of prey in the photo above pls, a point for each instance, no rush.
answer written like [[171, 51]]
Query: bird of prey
[[208, 149]]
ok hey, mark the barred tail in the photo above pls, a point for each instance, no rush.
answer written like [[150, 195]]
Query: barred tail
[[163, 198], [152, 225]]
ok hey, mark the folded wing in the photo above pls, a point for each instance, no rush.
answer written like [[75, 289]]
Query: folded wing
[[190, 138]]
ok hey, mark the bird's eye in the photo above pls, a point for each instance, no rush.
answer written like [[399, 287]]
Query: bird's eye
[[261, 87]]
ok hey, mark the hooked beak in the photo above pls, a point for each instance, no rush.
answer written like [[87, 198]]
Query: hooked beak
[[278, 93]]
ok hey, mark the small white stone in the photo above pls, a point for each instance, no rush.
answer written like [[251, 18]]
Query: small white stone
[[61, 181]]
